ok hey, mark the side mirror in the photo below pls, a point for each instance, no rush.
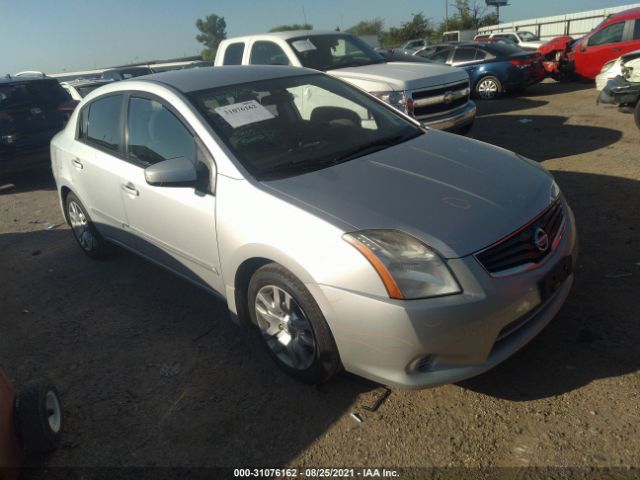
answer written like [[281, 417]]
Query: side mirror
[[173, 172]]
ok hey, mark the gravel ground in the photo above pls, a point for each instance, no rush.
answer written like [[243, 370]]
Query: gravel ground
[[151, 373]]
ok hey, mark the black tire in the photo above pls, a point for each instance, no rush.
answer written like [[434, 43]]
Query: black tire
[[325, 359], [636, 115], [89, 240], [464, 130], [486, 81], [38, 417]]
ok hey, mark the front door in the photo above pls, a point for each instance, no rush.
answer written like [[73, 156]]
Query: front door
[[175, 225]]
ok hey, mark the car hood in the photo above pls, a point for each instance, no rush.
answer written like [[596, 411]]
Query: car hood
[[455, 194], [402, 75]]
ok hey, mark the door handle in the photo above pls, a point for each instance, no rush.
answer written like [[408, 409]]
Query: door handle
[[77, 163], [130, 189]]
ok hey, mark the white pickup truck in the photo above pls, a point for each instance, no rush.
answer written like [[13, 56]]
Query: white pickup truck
[[435, 95]]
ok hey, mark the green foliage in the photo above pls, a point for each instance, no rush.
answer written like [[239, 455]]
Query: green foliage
[[213, 29], [418, 27], [295, 26], [368, 27]]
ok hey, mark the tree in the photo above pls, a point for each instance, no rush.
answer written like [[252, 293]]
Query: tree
[[471, 15], [295, 26], [213, 30], [418, 27], [368, 27]]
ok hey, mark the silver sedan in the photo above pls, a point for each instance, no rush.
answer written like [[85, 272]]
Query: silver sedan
[[338, 229]]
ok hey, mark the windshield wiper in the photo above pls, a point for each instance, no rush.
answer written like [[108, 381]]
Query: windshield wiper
[[374, 146]]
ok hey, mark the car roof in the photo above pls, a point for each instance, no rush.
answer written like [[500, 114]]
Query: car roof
[[626, 14], [194, 79], [288, 34], [9, 79]]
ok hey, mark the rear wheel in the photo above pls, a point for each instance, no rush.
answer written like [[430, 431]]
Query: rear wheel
[[84, 231], [488, 88], [291, 325]]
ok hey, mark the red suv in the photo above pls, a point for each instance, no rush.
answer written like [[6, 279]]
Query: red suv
[[617, 35]]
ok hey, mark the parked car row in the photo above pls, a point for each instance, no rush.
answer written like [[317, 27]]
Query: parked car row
[[493, 68]]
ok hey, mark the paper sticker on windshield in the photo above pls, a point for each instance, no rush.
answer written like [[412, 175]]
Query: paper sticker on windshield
[[303, 45], [244, 113]]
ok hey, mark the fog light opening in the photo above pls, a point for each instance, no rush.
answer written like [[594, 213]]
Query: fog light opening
[[425, 364]]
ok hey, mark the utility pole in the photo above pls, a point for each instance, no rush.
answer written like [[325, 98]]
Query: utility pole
[[446, 14]]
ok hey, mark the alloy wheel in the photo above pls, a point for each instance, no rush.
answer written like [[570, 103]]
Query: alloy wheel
[[81, 227], [285, 327], [487, 89]]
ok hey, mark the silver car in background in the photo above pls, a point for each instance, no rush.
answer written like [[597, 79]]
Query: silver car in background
[[340, 230]]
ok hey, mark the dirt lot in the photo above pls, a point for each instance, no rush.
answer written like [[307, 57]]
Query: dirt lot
[[152, 373]]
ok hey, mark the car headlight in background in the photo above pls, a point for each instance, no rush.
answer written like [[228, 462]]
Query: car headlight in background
[[408, 268], [397, 100]]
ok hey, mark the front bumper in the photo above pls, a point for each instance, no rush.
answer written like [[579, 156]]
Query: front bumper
[[452, 121], [619, 92], [429, 342]]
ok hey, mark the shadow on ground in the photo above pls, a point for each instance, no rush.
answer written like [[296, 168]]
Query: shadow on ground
[[543, 137], [596, 333], [39, 178]]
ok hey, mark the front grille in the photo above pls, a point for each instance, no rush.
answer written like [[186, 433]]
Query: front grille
[[439, 107], [440, 99], [418, 95], [520, 248]]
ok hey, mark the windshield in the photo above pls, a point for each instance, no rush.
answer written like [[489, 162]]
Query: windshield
[[326, 52], [288, 126], [528, 36]]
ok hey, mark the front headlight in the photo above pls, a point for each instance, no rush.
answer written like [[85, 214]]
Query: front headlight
[[408, 268], [397, 100], [555, 191]]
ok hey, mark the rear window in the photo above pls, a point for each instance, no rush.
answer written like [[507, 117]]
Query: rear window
[[43, 93], [502, 49], [233, 54]]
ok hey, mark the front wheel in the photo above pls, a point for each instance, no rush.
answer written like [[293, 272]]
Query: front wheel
[[488, 88], [291, 325]]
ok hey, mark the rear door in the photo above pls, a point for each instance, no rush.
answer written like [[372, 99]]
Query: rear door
[[174, 225], [97, 165]]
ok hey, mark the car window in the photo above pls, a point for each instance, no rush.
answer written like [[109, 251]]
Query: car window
[[528, 36], [40, 93], [286, 126], [155, 134], [103, 127], [439, 56], [636, 30], [268, 53], [464, 55], [233, 54], [326, 52], [609, 34]]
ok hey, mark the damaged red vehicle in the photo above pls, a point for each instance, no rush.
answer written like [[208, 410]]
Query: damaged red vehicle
[[618, 34], [30, 422]]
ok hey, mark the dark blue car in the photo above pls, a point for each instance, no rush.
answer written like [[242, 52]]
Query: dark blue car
[[493, 68]]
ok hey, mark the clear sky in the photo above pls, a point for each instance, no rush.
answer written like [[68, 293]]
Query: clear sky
[[57, 35]]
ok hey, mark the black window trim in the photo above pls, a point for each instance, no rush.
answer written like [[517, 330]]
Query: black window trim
[[86, 141]]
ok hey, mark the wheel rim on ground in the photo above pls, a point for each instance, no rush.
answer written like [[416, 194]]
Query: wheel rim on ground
[[285, 327], [81, 227], [54, 415], [487, 89]]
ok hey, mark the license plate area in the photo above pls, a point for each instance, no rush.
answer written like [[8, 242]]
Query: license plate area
[[555, 278]]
